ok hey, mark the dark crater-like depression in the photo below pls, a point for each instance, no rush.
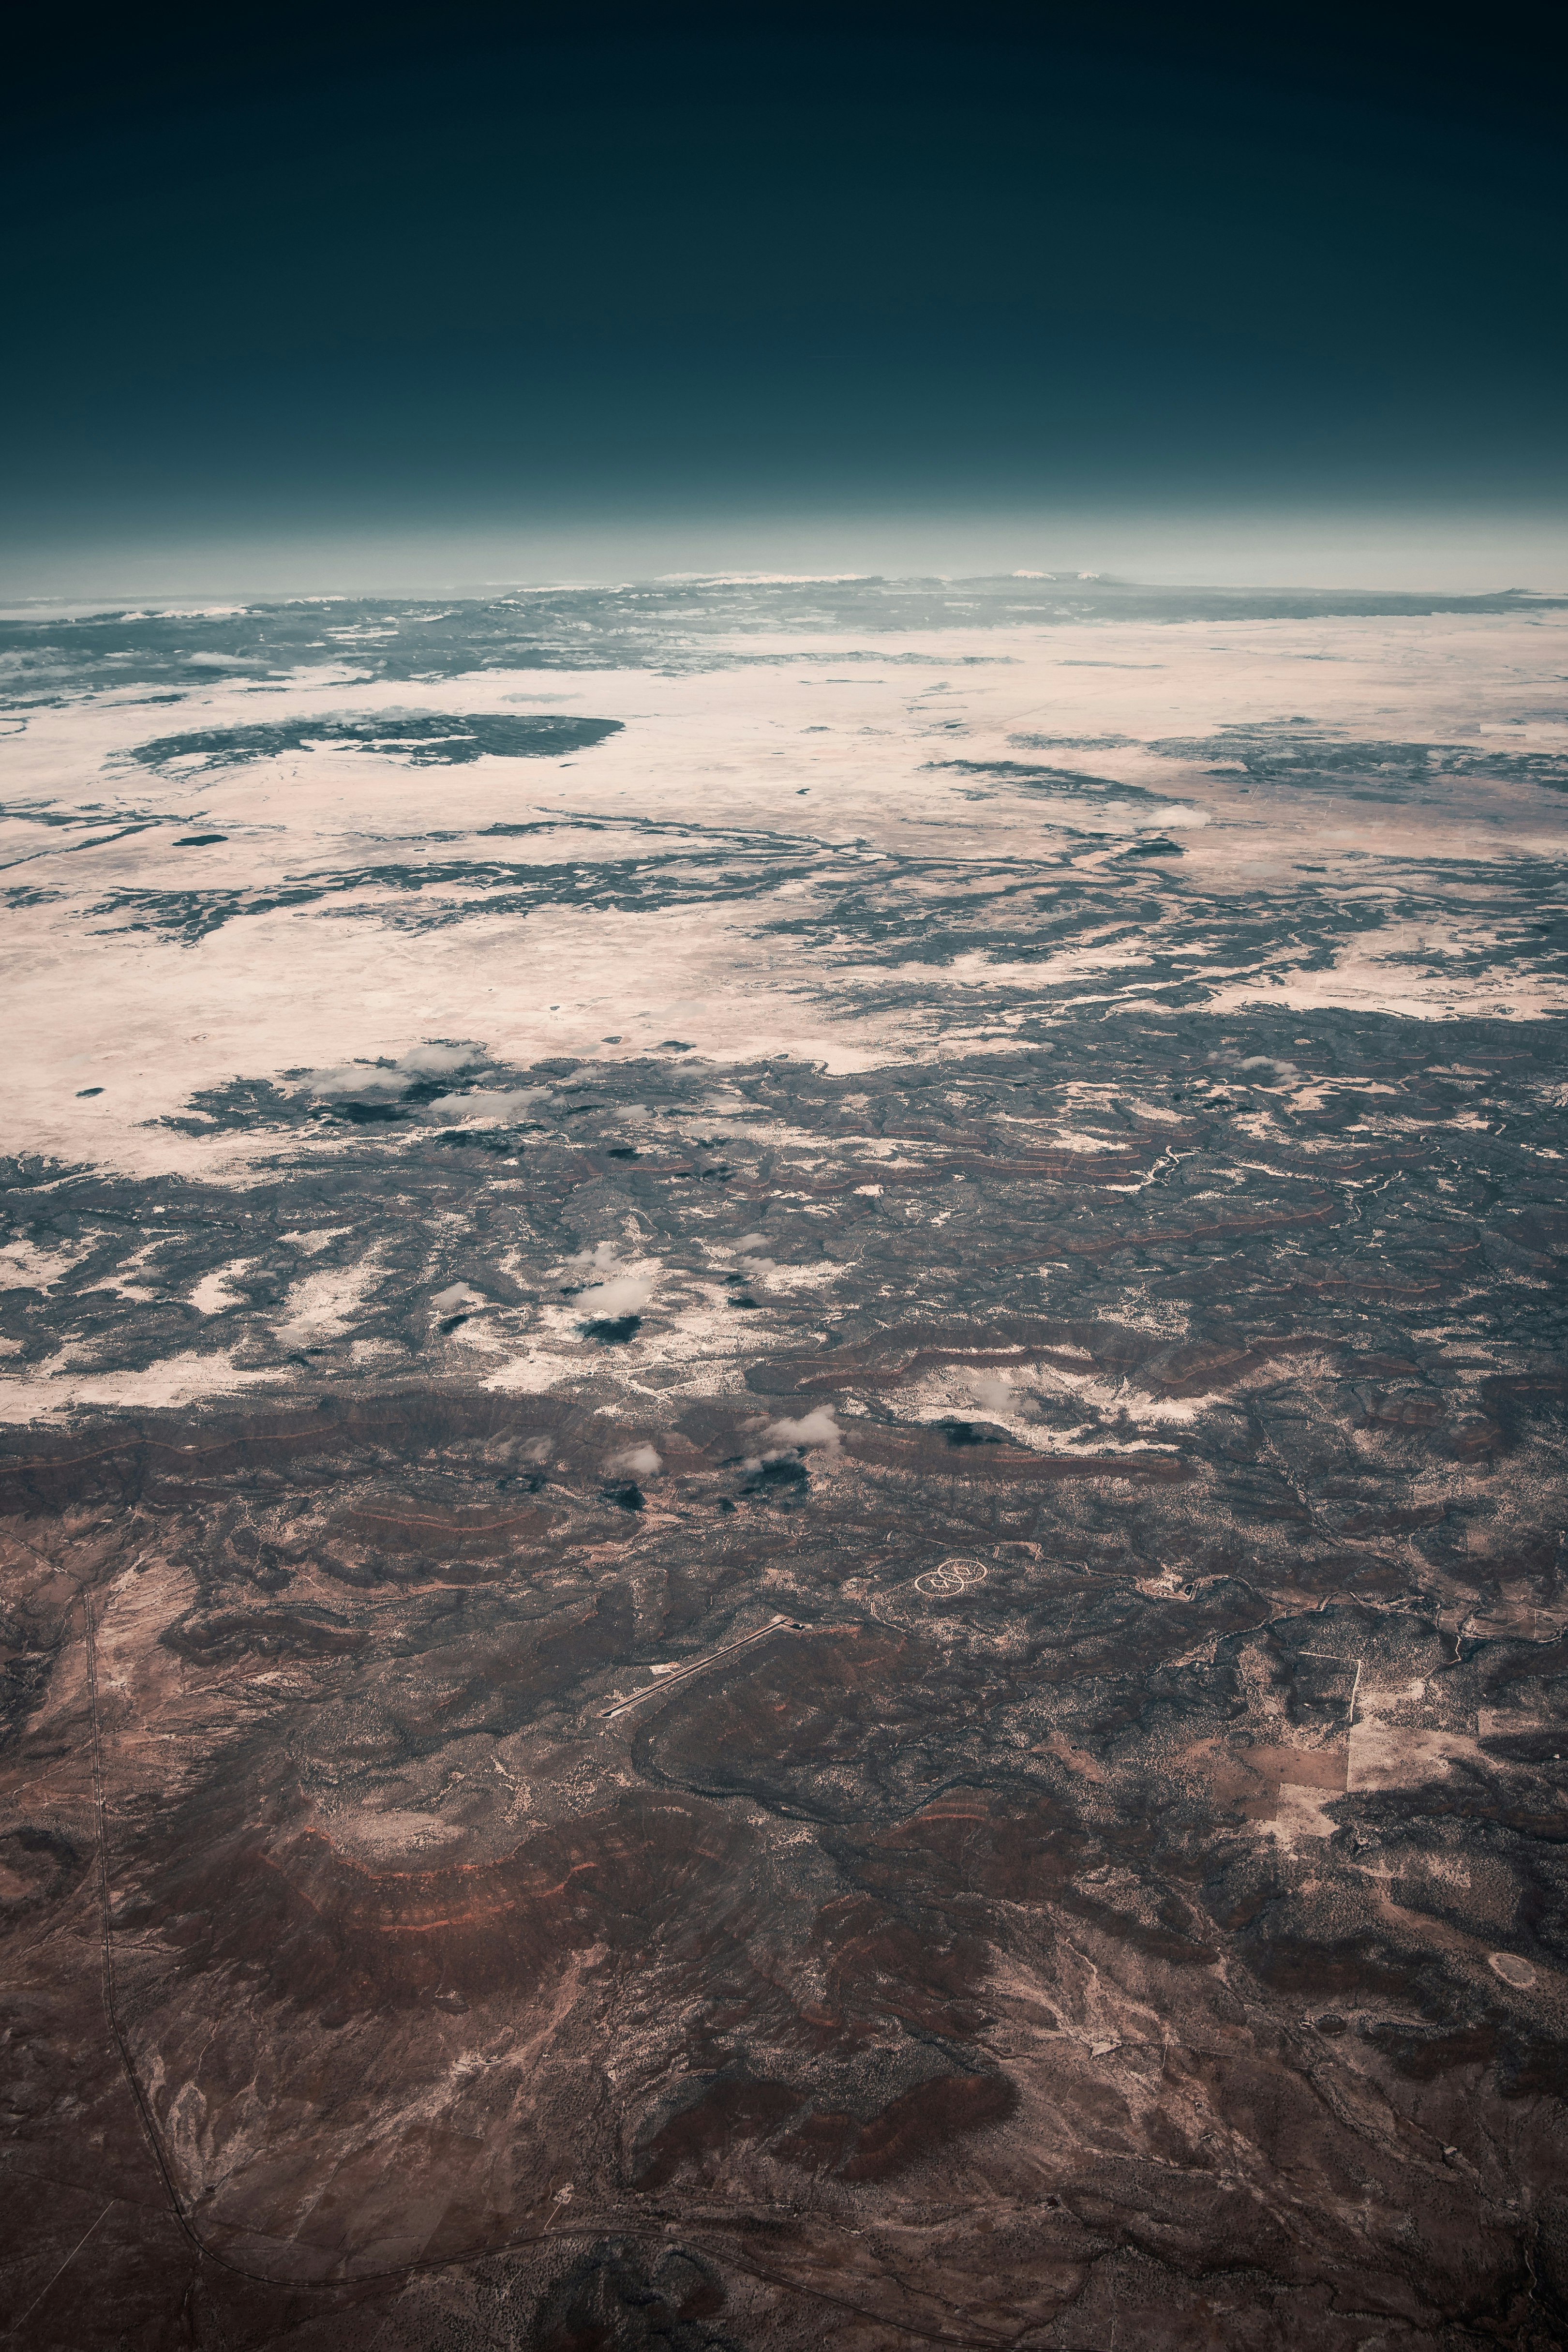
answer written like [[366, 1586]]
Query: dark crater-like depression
[[424, 739]]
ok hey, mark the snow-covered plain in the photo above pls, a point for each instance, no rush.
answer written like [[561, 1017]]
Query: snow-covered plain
[[276, 853], [359, 905]]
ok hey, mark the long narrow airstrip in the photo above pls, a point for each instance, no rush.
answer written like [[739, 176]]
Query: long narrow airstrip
[[700, 1665]]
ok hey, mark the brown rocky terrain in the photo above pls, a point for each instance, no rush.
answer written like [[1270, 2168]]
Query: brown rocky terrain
[[1096, 1874]]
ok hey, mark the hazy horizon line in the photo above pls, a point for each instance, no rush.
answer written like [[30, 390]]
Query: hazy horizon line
[[1447, 551]]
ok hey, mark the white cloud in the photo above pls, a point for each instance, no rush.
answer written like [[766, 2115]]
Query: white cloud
[[504, 1103], [368, 1078], [531, 1449], [617, 1292], [434, 1061], [994, 1391], [817, 1428], [601, 1259], [642, 1461], [455, 1295], [356, 1078], [626, 1294]]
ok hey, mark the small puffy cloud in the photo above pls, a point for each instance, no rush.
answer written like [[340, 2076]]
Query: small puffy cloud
[[503, 1102], [637, 1462], [616, 1293], [755, 1462], [436, 1061], [368, 1078], [534, 1449], [817, 1428], [356, 1078], [994, 1391], [456, 1295], [601, 1257], [606, 1302]]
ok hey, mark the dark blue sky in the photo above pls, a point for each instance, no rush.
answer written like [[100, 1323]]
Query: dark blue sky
[[354, 273]]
